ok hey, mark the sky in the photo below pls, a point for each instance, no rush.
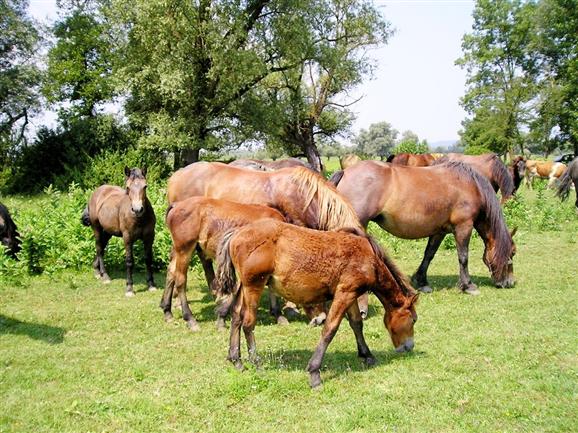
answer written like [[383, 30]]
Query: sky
[[416, 84]]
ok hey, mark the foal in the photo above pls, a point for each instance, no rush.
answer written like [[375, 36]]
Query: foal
[[126, 213]]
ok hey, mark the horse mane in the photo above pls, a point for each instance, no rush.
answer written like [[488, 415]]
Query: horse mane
[[490, 206], [565, 181], [502, 177], [333, 211], [390, 157]]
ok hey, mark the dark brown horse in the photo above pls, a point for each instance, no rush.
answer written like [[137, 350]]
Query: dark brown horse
[[126, 213], [200, 223], [9, 236], [418, 202], [303, 196], [262, 165], [309, 267], [517, 170], [570, 176]]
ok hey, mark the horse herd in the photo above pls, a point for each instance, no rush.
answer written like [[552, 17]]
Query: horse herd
[[282, 225]]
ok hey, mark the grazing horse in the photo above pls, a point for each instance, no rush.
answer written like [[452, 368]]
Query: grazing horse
[[418, 202], [303, 196], [348, 160], [9, 236], [261, 165], [517, 169], [412, 159], [200, 223], [543, 169], [569, 177], [127, 213], [309, 267]]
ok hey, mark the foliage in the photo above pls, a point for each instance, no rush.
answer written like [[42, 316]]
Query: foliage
[[19, 75], [409, 143], [378, 140]]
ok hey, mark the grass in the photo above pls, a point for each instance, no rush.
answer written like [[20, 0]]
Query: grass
[[77, 356]]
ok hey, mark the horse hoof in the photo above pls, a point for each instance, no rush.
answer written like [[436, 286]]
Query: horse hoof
[[152, 289], [425, 289], [238, 365], [363, 314], [129, 294], [193, 326], [106, 279], [291, 310], [168, 317], [474, 291], [315, 380], [221, 324], [318, 320], [369, 361], [281, 320]]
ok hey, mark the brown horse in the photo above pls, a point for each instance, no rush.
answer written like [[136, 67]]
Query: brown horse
[[348, 160], [262, 165], [418, 202], [309, 267], [200, 223], [9, 236], [517, 169], [303, 196], [569, 177], [412, 159], [545, 170], [127, 213]]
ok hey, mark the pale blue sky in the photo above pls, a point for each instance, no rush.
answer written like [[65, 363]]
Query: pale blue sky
[[416, 84]]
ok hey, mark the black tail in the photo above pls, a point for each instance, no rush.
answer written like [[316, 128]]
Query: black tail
[[85, 217], [565, 181], [390, 157], [225, 282], [336, 177]]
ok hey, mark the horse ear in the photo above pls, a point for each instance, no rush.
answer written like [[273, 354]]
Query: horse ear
[[126, 171], [513, 232], [414, 298], [144, 171]]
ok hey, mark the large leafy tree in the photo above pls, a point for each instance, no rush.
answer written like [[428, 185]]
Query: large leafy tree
[[499, 85], [556, 24], [19, 75], [378, 140]]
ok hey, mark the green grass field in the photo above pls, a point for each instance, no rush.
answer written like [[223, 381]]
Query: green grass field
[[77, 356]]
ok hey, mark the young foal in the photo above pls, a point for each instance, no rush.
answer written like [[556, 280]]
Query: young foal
[[200, 223], [310, 267], [127, 213]]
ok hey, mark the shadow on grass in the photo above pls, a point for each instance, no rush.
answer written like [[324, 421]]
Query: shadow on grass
[[37, 331], [450, 282]]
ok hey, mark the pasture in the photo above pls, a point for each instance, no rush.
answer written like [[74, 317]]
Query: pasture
[[77, 355]]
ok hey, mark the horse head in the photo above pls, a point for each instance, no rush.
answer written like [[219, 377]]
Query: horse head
[[399, 322], [136, 185], [498, 257]]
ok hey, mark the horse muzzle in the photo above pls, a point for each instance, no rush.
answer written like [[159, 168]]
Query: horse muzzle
[[138, 211], [406, 346]]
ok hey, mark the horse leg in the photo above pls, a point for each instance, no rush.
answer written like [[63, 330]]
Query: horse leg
[[355, 319], [235, 337], [148, 252], [251, 296], [129, 260], [101, 240], [419, 279], [363, 303], [180, 276], [275, 310], [208, 268], [462, 234], [166, 300], [339, 306]]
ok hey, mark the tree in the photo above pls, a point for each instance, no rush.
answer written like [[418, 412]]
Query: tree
[[378, 140], [497, 62], [556, 30], [409, 143], [19, 75], [80, 64]]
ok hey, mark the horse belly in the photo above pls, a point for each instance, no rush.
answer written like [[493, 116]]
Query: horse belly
[[300, 289]]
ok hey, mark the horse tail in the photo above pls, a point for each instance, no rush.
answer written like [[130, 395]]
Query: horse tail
[[565, 181], [336, 177], [502, 177], [85, 217], [390, 157], [225, 283], [171, 206]]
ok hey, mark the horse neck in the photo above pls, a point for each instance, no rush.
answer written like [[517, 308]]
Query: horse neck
[[496, 247], [391, 288]]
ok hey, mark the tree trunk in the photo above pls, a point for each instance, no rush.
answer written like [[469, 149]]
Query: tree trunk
[[313, 156], [188, 156]]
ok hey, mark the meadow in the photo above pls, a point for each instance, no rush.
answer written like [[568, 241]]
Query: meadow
[[77, 356]]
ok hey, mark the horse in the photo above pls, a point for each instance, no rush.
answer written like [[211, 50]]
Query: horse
[[517, 169], [261, 165], [303, 196], [309, 267], [545, 170], [418, 202], [200, 223], [570, 176], [126, 213], [9, 236], [412, 159], [348, 160]]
